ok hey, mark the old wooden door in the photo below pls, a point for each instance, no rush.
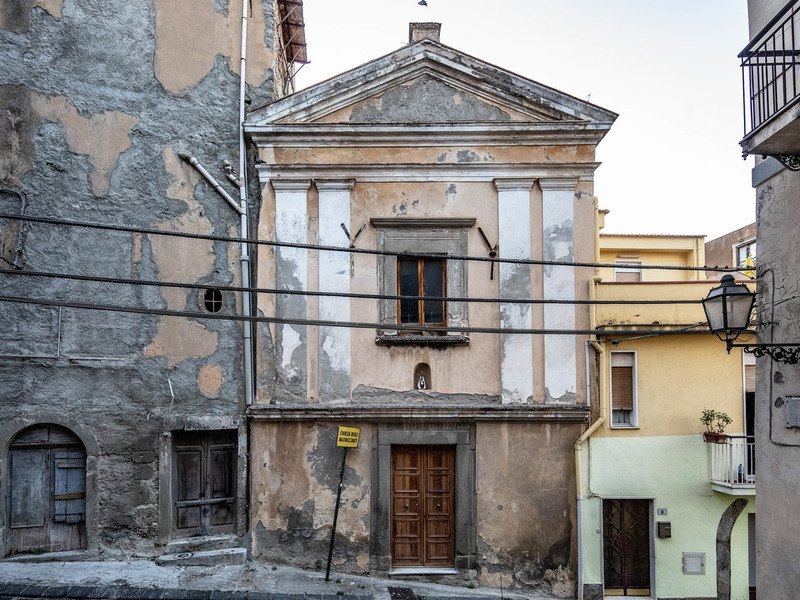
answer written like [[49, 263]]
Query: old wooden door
[[423, 506], [47, 464], [205, 482], [626, 547]]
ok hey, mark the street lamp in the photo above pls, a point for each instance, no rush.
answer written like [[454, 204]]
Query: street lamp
[[728, 308]]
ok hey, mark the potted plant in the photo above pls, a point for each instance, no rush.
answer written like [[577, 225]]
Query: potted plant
[[715, 423]]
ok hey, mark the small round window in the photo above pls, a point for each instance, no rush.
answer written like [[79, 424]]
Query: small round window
[[212, 300]]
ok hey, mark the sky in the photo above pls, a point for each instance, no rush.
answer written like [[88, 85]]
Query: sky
[[671, 163]]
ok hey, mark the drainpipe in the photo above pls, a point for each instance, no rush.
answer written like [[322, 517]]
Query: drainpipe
[[601, 418], [247, 309]]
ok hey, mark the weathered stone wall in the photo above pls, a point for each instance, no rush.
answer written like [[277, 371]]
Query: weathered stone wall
[[97, 101]]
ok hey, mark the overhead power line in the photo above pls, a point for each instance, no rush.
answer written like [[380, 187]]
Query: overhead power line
[[323, 294], [367, 251], [323, 323]]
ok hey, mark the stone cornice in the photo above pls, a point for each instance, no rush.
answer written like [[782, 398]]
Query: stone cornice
[[518, 413], [389, 172], [334, 184], [516, 185], [414, 223], [558, 133], [291, 185], [548, 184]]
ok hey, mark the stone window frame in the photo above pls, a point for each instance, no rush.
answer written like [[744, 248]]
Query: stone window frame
[[445, 236], [466, 519]]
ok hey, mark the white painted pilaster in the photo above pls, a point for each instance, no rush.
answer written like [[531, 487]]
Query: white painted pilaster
[[516, 351], [291, 273], [334, 276], [558, 239]]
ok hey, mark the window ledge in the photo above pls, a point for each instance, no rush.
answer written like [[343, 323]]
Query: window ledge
[[422, 340], [624, 427]]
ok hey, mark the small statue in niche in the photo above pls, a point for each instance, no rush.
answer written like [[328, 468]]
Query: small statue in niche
[[421, 383]]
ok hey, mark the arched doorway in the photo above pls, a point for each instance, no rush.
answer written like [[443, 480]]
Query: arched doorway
[[47, 513]]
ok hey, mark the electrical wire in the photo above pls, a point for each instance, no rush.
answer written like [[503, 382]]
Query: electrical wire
[[367, 251], [322, 294], [322, 323]]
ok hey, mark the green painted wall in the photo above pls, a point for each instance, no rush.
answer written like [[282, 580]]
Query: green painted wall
[[674, 472]]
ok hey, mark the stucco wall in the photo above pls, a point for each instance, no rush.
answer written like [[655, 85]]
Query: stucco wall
[[673, 472], [777, 447]]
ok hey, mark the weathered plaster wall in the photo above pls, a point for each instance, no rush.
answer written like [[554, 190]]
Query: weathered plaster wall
[[777, 447], [296, 470], [95, 112], [526, 506]]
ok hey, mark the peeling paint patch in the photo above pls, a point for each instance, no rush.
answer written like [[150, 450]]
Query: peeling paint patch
[[209, 380], [466, 156], [51, 6], [291, 342], [184, 58], [103, 136], [179, 339]]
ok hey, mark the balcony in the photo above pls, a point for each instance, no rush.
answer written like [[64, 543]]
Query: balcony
[[733, 466], [771, 86]]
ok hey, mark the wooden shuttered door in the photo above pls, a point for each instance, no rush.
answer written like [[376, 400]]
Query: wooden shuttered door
[[423, 506], [47, 466], [205, 482]]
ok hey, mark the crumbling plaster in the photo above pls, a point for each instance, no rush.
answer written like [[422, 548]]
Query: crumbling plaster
[[294, 494], [183, 57], [90, 134], [525, 470]]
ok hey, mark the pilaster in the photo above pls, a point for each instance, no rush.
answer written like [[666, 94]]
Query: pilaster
[[558, 239], [334, 276], [516, 351], [291, 273]]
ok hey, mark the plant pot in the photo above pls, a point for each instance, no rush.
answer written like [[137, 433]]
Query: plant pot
[[712, 437]]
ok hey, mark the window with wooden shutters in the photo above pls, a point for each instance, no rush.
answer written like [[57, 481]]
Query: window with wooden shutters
[[623, 389], [749, 378]]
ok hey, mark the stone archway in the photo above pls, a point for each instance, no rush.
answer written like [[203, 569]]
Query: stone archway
[[724, 531], [47, 490]]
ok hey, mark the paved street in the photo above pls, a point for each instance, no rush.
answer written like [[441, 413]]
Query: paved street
[[144, 580]]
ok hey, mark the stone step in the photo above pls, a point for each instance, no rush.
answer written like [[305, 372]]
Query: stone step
[[204, 558], [203, 542]]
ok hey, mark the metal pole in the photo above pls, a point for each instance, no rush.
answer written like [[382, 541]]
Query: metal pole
[[336, 515]]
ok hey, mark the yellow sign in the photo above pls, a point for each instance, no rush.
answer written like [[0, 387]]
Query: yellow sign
[[348, 437]]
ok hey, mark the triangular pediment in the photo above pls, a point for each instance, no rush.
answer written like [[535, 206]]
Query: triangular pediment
[[427, 82], [428, 98]]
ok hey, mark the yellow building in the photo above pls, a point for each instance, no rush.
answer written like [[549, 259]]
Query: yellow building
[[655, 501]]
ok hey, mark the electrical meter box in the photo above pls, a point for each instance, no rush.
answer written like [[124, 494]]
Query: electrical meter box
[[791, 410]]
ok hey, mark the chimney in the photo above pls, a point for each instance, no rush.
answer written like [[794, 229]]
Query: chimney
[[423, 31]]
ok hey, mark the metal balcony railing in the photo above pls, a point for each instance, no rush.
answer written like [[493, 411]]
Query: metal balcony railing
[[771, 68], [733, 464]]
